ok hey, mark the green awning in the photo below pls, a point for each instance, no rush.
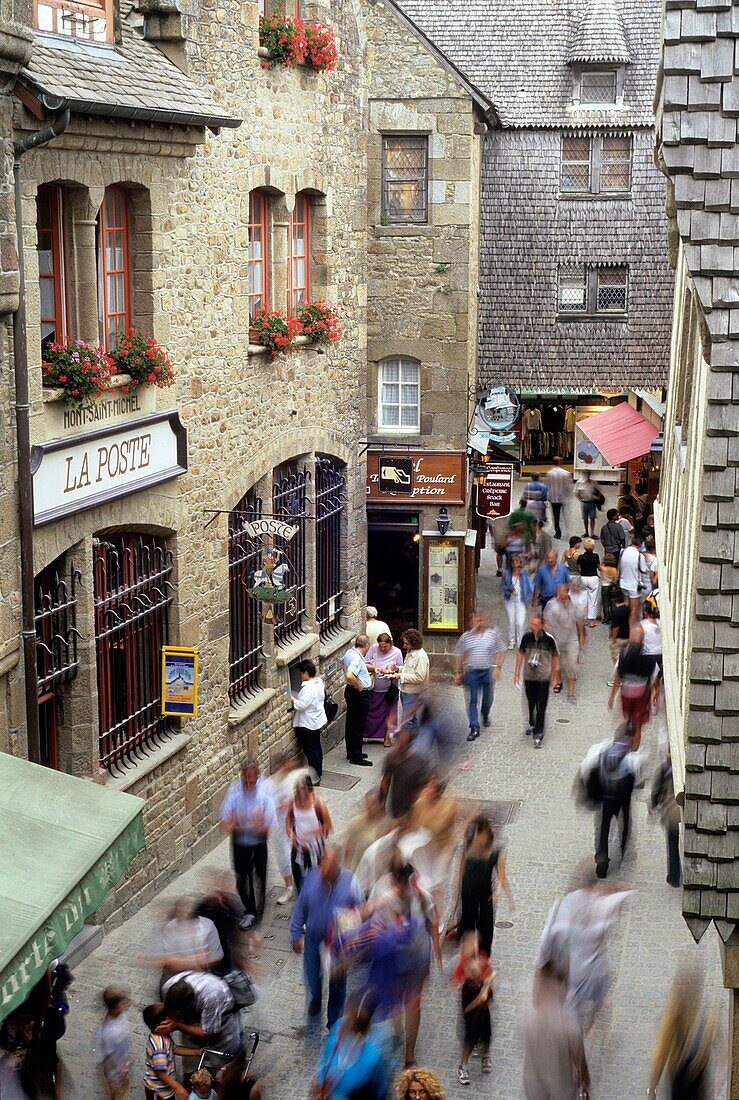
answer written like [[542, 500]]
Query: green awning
[[65, 844]]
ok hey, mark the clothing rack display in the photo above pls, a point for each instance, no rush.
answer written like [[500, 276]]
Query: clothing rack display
[[548, 430]]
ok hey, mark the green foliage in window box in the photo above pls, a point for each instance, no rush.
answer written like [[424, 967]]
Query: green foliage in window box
[[319, 321], [275, 331], [79, 370]]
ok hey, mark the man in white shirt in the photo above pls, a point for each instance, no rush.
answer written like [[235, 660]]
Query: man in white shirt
[[310, 716], [633, 573], [478, 660], [357, 696], [559, 490], [588, 493], [375, 627]]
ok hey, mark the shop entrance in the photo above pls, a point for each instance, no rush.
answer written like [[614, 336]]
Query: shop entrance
[[393, 540]]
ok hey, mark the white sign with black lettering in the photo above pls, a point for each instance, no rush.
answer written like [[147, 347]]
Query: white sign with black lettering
[[72, 474]]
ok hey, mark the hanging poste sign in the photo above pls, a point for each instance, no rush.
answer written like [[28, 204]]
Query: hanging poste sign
[[270, 584], [180, 681]]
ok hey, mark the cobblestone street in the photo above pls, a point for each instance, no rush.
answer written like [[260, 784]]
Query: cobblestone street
[[545, 840]]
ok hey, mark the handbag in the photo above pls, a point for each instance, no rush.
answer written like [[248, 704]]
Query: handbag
[[330, 707], [241, 988]]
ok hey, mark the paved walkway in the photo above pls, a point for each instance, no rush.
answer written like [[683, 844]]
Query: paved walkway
[[546, 839]]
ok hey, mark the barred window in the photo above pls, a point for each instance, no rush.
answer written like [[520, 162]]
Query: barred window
[[593, 291], [612, 284], [245, 654], [399, 395], [572, 290], [57, 659], [598, 87], [290, 503], [597, 164], [330, 495], [405, 179], [133, 593]]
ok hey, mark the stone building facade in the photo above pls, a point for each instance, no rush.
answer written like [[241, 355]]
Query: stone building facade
[[158, 146], [425, 131], [574, 291], [698, 149]]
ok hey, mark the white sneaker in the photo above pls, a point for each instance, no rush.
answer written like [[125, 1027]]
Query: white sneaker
[[463, 1074], [511, 645], [286, 898]]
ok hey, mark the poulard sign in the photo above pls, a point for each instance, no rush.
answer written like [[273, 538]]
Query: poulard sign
[[84, 470], [437, 477]]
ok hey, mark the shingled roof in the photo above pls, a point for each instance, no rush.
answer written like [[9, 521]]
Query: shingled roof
[[131, 80], [599, 34], [701, 155], [519, 55]]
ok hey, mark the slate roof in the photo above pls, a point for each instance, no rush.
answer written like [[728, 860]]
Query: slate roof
[[517, 55], [701, 155], [599, 34], [132, 80]]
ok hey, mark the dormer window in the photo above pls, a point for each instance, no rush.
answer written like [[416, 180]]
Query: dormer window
[[598, 87], [88, 19]]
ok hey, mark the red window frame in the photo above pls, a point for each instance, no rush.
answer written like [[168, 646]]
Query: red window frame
[[114, 229], [258, 299], [50, 238], [298, 289]]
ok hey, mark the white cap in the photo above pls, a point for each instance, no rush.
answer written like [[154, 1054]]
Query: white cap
[[371, 612]]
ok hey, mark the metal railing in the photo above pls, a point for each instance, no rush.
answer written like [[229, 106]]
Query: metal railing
[[289, 502]]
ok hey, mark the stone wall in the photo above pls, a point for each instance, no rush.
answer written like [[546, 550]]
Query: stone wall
[[244, 413]]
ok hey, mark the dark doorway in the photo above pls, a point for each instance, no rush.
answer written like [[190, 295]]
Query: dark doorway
[[393, 540]]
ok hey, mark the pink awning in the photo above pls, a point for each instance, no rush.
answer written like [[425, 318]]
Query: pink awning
[[620, 433]]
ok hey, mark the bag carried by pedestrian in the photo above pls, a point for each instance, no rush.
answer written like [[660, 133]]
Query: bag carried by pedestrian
[[241, 988], [330, 707], [615, 779]]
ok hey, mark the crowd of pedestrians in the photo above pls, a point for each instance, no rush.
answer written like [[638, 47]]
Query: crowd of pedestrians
[[373, 908]]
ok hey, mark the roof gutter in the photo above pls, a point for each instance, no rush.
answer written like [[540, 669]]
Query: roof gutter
[[57, 126]]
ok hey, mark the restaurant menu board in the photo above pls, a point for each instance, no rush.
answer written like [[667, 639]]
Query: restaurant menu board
[[444, 597]]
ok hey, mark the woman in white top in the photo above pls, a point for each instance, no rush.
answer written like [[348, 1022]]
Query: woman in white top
[[652, 644], [310, 716], [308, 824]]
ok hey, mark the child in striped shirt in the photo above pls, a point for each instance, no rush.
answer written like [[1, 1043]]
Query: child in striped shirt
[[159, 1075]]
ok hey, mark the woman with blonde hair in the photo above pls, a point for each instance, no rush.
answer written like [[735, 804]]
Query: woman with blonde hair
[[685, 1042], [419, 1084]]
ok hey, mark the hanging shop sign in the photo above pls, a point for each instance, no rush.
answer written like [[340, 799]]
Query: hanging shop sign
[[179, 681], [70, 475], [437, 477], [495, 490], [499, 409], [270, 583], [443, 573]]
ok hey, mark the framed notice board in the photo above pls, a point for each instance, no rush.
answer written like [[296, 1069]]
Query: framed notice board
[[443, 585], [180, 681]]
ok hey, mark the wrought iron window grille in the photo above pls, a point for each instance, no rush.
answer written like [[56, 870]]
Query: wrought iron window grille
[[57, 635], [246, 654], [329, 504]]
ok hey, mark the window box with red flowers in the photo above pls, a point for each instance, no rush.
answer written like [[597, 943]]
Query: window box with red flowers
[[77, 370], [319, 321], [274, 331], [143, 360], [288, 40]]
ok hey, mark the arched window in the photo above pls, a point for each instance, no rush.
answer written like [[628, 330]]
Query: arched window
[[290, 503], [257, 255], [399, 395], [330, 496], [245, 656], [299, 246], [52, 273], [133, 592], [114, 267]]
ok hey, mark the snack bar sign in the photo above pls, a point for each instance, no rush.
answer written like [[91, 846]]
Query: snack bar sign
[[495, 490], [72, 474]]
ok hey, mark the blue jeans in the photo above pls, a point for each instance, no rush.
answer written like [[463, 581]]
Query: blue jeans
[[314, 982], [476, 680], [589, 510], [408, 699]]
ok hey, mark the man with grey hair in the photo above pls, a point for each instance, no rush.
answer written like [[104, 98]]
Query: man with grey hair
[[375, 627], [357, 696]]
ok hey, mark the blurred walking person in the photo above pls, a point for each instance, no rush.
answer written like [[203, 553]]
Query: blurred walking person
[[479, 658], [517, 592], [247, 814], [589, 573], [560, 488], [564, 622], [554, 1063], [538, 661], [308, 825], [685, 1043], [634, 677], [662, 799], [482, 871], [609, 772]]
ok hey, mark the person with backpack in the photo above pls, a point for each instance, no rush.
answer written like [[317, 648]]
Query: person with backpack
[[609, 773]]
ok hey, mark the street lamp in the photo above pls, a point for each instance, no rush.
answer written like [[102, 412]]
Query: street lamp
[[442, 521]]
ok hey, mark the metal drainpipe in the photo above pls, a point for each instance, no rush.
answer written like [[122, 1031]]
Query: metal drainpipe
[[23, 440]]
